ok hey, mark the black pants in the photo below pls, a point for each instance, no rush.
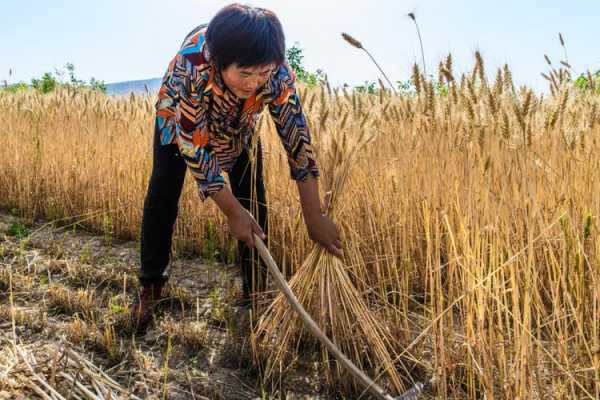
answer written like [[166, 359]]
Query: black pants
[[161, 207]]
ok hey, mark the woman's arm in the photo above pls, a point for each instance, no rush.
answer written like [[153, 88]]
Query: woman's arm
[[289, 119], [241, 223], [177, 99], [193, 143]]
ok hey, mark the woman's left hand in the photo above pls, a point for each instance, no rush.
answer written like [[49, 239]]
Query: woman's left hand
[[324, 231]]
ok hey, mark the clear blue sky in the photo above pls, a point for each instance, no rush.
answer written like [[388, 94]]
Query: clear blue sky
[[134, 39]]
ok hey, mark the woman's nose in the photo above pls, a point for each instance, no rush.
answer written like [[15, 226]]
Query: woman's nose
[[253, 84]]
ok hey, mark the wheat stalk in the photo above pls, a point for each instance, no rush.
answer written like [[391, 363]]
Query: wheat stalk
[[355, 43]]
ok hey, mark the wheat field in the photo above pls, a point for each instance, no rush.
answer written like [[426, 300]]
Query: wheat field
[[470, 223]]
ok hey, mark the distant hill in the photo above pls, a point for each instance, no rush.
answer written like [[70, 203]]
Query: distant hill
[[124, 88]]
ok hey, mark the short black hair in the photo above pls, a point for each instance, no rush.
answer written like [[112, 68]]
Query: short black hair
[[245, 35]]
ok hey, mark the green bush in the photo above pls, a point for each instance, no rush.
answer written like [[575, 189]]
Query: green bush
[[50, 81], [15, 87], [583, 82], [18, 230]]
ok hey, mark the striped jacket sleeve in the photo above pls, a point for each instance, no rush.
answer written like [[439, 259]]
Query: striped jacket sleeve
[[191, 128], [290, 122]]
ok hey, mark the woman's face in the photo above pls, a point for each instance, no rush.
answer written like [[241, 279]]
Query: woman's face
[[245, 81]]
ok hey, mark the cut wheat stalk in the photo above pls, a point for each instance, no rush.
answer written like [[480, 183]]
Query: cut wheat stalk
[[411, 394], [324, 287], [312, 326], [57, 372], [38, 390], [85, 391]]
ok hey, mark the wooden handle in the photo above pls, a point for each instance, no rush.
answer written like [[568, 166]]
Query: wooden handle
[[313, 327]]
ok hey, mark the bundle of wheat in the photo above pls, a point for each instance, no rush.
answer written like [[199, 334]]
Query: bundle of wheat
[[324, 286], [53, 372]]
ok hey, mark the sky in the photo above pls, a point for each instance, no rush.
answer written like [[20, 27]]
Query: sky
[[135, 39]]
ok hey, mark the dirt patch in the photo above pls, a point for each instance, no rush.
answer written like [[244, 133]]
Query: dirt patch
[[69, 287]]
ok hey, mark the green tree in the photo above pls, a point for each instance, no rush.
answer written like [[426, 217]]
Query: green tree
[[295, 59], [73, 81], [583, 82], [46, 83], [97, 85], [367, 87], [405, 87]]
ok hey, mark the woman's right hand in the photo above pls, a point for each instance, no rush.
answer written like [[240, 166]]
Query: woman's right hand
[[241, 223], [243, 226]]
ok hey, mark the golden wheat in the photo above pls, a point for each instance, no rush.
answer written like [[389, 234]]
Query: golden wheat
[[470, 223]]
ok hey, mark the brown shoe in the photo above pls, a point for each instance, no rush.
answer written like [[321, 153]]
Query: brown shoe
[[142, 309]]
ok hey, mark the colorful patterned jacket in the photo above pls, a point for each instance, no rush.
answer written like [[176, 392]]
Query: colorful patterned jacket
[[212, 126]]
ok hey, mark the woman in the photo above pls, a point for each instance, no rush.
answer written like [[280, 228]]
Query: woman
[[225, 73]]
